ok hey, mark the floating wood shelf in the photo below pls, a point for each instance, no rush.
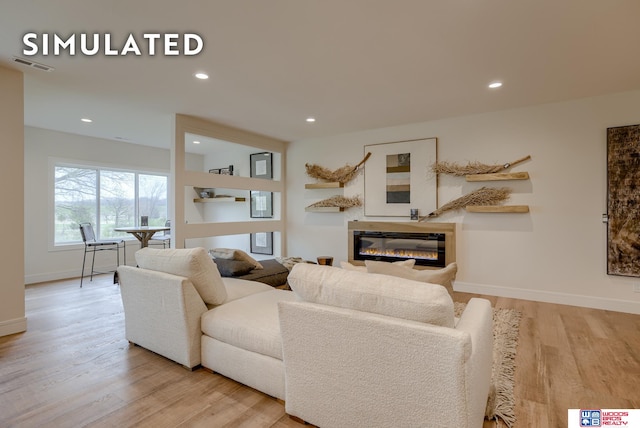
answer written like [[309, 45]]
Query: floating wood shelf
[[221, 199], [329, 185], [497, 208], [324, 209], [498, 176]]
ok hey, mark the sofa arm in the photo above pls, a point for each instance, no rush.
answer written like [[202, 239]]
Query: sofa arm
[[162, 313], [347, 368], [477, 321]]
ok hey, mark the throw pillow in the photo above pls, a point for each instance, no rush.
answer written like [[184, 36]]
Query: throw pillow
[[346, 265], [349, 266], [380, 294], [444, 276], [241, 255], [193, 263], [223, 253], [234, 254], [229, 268]]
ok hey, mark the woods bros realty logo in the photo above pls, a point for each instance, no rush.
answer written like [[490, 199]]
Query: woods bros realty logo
[[604, 418], [90, 44]]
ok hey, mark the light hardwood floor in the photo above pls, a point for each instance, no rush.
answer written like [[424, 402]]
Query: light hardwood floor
[[73, 367]]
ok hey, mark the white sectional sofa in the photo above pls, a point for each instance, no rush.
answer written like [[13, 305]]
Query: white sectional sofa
[[343, 349], [195, 317]]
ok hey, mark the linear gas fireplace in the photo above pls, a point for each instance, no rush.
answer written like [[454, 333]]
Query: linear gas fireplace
[[432, 245], [426, 248]]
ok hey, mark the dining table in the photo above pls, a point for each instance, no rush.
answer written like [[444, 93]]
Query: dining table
[[142, 233]]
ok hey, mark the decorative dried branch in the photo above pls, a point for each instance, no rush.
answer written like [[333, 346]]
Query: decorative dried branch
[[341, 175], [482, 196], [472, 167], [338, 201]]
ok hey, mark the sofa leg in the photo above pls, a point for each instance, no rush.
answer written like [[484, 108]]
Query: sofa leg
[[196, 367], [297, 419]]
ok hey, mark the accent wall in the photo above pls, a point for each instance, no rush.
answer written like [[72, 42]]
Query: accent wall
[[555, 253]]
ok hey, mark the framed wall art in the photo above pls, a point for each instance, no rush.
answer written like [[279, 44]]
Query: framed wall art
[[261, 204], [261, 165], [623, 194], [262, 243], [398, 178]]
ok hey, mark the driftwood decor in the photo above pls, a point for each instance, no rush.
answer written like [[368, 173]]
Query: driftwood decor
[[623, 196], [340, 175], [453, 168], [479, 197], [338, 202]]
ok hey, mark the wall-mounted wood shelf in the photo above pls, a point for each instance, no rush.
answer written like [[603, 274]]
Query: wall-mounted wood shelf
[[329, 185], [498, 176], [324, 209], [221, 199], [518, 209]]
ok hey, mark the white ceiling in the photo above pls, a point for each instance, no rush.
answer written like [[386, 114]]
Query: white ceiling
[[352, 64]]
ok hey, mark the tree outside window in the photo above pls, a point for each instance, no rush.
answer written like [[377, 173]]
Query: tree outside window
[[107, 199]]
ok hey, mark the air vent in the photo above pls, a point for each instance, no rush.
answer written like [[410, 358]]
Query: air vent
[[32, 64]]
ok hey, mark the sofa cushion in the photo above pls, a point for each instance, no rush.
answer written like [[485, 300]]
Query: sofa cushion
[[193, 263], [234, 254], [444, 276], [250, 323], [238, 288], [380, 294]]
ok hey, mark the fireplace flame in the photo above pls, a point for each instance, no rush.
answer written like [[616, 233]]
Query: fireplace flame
[[398, 252]]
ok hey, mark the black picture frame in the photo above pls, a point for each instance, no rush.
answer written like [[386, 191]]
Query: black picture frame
[[261, 204], [262, 243], [262, 165]]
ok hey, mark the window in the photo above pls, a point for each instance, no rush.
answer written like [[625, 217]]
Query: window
[[107, 199]]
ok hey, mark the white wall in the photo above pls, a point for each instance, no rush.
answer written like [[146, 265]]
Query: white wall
[[42, 147], [556, 253], [43, 263], [12, 308]]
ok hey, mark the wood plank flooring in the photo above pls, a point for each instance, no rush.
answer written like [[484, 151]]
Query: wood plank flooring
[[73, 367]]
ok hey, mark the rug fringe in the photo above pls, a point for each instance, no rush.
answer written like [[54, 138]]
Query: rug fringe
[[501, 403], [507, 322]]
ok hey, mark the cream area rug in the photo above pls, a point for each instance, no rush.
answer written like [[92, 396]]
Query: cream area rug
[[506, 323]]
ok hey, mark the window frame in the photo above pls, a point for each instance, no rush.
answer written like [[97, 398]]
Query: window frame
[[58, 162]]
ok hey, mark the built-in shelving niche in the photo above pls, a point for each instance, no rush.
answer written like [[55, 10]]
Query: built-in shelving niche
[[192, 170]]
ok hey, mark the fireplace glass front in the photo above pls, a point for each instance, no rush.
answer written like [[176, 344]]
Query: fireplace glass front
[[428, 249]]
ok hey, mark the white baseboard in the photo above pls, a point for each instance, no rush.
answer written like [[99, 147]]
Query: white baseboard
[[550, 297], [17, 325], [50, 276], [57, 276]]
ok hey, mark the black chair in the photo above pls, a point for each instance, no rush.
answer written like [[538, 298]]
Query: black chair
[[164, 239], [91, 245]]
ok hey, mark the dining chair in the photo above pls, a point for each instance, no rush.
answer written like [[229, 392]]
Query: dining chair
[[164, 239], [92, 245]]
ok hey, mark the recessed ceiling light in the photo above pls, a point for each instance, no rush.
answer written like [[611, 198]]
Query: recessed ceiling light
[[311, 119], [86, 119], [196, 142], [495, 85], [202, 76]]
